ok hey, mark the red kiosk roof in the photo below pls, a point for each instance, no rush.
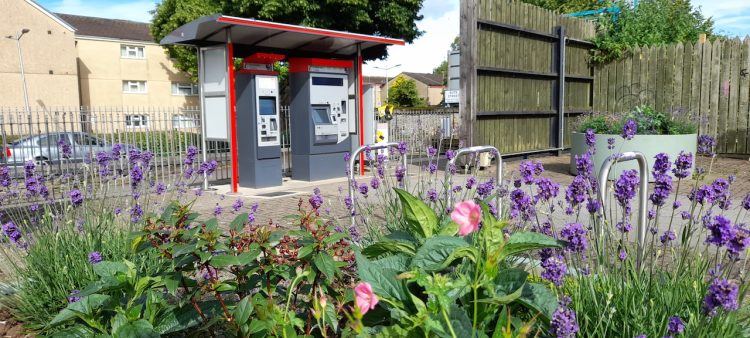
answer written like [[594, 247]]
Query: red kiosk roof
[[211, 30]]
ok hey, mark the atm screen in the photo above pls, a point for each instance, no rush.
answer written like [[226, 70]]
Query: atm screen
[[267, 106], [327, 81], [320, 115]]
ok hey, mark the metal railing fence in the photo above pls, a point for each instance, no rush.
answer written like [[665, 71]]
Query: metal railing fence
[[421, 128]]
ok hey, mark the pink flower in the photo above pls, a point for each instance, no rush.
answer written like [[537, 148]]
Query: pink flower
[[467, 215], [365, 298]]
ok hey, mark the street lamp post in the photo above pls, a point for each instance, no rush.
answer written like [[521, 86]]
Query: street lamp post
[[23, 73], [386, 68]]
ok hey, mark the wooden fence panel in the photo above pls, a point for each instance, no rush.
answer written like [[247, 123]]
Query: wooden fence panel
[[708, 82]]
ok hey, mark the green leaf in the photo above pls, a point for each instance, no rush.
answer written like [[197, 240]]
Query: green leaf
[[305, 251], [172, 282], [186, 317], [540, 298], [109, 269], [526, 241], [460, 321], [382, 279], [418, 215], [225, 260], [84, 307], [335, 237], [450, 229], [140, 328], [434, 254], [325, 264], [243, 311], [238, 223], [77, 331], [510, 280], [389, 247]]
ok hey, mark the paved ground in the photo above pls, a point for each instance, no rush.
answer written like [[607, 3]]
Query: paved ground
[[275, 208]]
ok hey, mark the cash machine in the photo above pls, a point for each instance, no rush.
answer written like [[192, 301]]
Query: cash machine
[[322, 117], [257, 106]]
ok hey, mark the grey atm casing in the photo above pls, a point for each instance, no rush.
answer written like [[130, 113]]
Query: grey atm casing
[[259, 159], [316, 157]]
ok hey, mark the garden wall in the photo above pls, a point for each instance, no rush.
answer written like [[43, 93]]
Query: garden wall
[[708, 80]]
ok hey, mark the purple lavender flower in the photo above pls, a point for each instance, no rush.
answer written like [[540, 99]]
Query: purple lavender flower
[[316, 200], [450, 154], [116, 150], [432, 167], [486, 188], [720, 229], [661, 165], [400, 174], [563, 323], [721, 294], [190, 153], [739, 242], [218, 210], [521, 205], [623, 255], [629, 130], [625, 188], [11, 231], [208, 168], [593, 205], [255, 205], [584, 164], [706, 145], [676, 205], [611, 143], [432, 195], [117, 211], [590, 138], [375, 183], [403, 148], [675, 325], [136, 212], [575, 236], [624, 227], [348, 202], [102, 158], [347, 157], [95, 257], [667, 237], [746, 202], [662, 189], [651, 214], [526, 169], [431, 151], [363, 189], [237, 205], [721, 194], [136, 176], [554, 269], [682, 165], [64, 147], [29, 168], [577, 191], [5, 179], [701, 195], [76, 198], [547, 189], [73, 297], [160, 188], [470, 182], [457, 188]]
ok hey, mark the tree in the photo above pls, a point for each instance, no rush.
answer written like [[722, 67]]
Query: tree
[[395, 19], [569, 6], [403, 93], [653, 22]]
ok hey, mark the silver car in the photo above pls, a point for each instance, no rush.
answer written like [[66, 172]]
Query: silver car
[[47, 148]]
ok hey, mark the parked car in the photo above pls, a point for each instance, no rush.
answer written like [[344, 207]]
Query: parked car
[[44, 149]]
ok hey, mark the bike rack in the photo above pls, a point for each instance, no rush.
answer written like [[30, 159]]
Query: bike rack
[[353, 158], [642, 194], [475, 150]]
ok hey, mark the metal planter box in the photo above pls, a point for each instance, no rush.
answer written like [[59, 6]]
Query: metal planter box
[[649, 145]]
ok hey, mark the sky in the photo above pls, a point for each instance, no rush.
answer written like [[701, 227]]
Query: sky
[[440, 26]]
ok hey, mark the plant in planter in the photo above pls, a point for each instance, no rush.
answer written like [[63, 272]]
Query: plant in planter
[[646, 130]]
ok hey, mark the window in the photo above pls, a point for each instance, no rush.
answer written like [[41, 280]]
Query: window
[[184, 89], [134, 87], [136, 121], [132, 52], [183, 121]]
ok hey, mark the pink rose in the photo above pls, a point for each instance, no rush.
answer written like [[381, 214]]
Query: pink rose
[[364, 297], [467, 215]]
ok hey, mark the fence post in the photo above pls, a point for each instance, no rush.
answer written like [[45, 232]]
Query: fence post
[[559, 94], [468, 61]]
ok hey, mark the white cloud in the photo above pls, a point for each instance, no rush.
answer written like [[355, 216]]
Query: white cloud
[[440, 26], [732, 17], [125, 10]]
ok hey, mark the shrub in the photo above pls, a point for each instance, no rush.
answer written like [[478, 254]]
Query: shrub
[[649, 122]]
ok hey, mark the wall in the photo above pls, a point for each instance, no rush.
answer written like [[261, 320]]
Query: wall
[[102, 72], [49, 58]]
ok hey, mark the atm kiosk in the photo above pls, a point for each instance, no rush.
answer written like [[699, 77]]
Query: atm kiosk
[[257, 104], [321, 118]]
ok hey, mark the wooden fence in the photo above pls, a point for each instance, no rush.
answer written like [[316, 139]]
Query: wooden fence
[[708, 80], [524, 72]]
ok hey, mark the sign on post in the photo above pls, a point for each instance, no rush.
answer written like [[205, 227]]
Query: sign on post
[[451, 96]]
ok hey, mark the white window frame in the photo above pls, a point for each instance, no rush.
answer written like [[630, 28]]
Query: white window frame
[[177, 86], [126, 49], [130, 120], [127, 86], [180, 121]]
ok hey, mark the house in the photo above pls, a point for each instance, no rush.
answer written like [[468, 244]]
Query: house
[[430, 87], [49, 57], [119, 64]]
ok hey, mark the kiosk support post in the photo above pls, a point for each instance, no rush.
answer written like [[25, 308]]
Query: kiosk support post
[[202, 110], [361, 109], [232, 111]]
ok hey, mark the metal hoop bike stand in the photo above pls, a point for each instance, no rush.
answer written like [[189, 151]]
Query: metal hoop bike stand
[[475, 150], [353, 158], [642, 194]]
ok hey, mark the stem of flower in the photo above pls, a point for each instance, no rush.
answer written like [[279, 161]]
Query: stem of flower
[[450, 327]]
